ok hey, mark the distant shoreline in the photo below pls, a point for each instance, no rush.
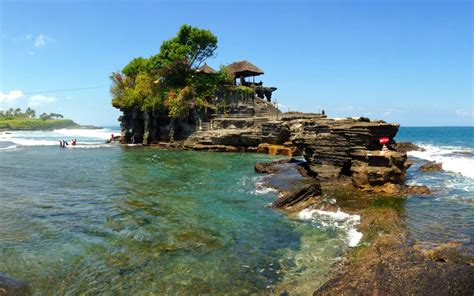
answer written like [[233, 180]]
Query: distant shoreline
[[34, 124]]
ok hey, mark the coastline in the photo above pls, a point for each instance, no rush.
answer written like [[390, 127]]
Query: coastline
[[385, 260], [40, 125]]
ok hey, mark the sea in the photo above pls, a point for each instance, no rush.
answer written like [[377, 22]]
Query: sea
[[100, 218]]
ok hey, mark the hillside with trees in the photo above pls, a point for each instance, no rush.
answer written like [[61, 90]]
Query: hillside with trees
[[16, 119]]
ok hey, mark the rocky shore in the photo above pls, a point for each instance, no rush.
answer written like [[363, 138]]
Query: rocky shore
[[331, 147], [344, 161], [386, 261]]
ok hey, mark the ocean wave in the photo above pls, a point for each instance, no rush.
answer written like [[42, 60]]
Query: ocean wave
[[86, 138], [9, 147], [261, 189], [453, 159], [338, 219], [86, 133], [89, 146], [32, 142]]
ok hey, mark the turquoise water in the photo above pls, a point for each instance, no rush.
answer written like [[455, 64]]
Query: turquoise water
[[448, 214], [103, 219], [98, 218]]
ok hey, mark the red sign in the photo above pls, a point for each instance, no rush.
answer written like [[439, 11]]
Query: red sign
[[384, 140]]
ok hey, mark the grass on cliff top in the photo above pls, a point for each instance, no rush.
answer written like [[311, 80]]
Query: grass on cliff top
[[35, 124]]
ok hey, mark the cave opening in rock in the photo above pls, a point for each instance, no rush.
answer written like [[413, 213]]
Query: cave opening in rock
[[346, 168]]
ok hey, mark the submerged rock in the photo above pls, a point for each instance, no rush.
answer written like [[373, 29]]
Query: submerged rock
[[431, 167], [299, 195], [13, 287]]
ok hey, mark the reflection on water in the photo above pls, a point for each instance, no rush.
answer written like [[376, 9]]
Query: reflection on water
[[124, 221]]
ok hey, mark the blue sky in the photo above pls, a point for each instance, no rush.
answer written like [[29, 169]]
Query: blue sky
[[401, 61]]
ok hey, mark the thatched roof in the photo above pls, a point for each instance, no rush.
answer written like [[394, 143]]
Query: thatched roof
[[205, 69], [244, 69]]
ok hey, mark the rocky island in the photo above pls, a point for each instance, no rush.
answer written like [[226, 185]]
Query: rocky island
[[175, 100]]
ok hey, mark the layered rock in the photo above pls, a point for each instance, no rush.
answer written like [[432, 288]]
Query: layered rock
[[350, 147], [373, 170], [332, 148]]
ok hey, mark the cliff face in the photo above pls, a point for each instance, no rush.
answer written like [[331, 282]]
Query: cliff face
[[240, 111], [333, 148], [350, 147]]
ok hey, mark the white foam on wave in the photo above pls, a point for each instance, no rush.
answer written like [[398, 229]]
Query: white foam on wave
[[261, 189], [30, 142], [337, 219], [451, 159], [89, 146], [86, 133], [9, 147], [87, 138]]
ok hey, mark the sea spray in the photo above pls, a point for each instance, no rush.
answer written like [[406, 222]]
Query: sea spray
[[86, 138], [337, 219], [453, 159]]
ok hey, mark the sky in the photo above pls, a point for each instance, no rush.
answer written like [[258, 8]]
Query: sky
[[398, 60]]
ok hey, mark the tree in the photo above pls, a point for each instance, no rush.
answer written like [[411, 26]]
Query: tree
[[168, 79], [16, 112], [182, 53], [136, 66], [30, 113], [45, 116]]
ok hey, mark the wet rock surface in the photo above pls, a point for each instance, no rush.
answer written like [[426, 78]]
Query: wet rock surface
[[431, 167], [405, 147], [387, 264], [287, 176], [13, 287]]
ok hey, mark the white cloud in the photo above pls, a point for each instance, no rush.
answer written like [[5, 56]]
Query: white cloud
[[41, 40], [11, 96], [389, 112], [38, 100], [465, 112]]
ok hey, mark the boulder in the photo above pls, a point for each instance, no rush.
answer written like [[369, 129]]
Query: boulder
[[416, 190], [299, 195], [431, 167], [13, 287], [405, 147]]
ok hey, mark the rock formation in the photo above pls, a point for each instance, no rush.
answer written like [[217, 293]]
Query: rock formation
[[11, 286], [351, 147], [332, 148], [407, 146], [431, 167]]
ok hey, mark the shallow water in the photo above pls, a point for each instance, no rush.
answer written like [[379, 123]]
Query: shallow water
[[448, 214], [98, 218], [139, 220]]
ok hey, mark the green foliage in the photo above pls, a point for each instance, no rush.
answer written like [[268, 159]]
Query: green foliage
[[244, 90], [35, 123], [179, 103], [29, 113], [136, 66], [50, 116], [168, 79]]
